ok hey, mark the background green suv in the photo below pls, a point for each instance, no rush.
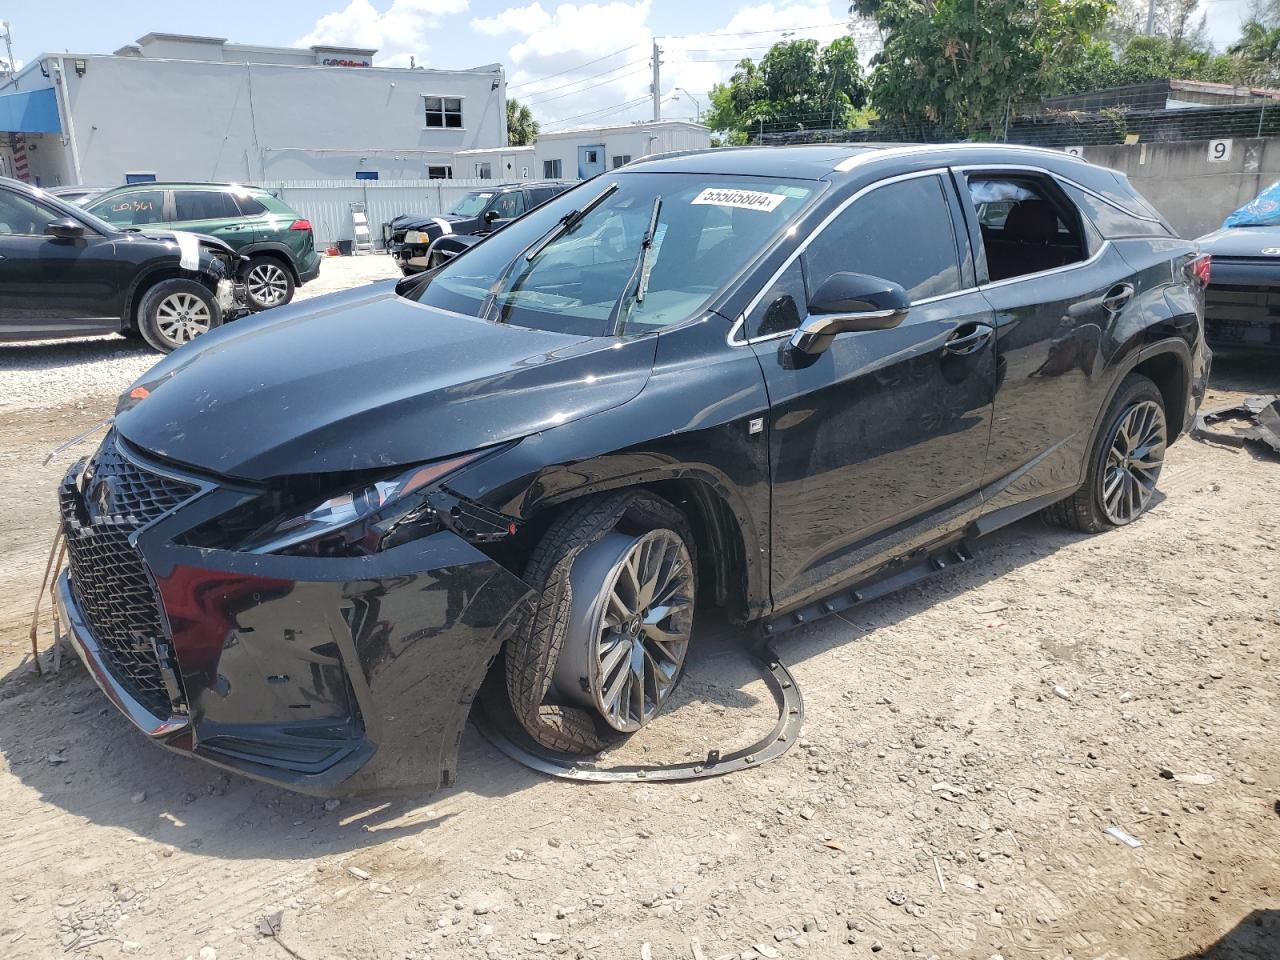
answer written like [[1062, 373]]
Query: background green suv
[[278, 242]]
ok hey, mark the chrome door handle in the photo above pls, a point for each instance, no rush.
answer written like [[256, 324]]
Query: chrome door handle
[[963, 344], [1117, 297]]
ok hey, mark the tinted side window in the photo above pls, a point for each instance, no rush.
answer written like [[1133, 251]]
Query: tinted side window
[[900, 232], [1026, 226], [18, 215], [509, 205], [782, 306], [204, 205], [250, 207], [1112, 221], [132, 209]]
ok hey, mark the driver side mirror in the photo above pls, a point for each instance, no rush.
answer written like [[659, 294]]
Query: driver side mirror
[[64, 229], [848, 302], [490, 216]]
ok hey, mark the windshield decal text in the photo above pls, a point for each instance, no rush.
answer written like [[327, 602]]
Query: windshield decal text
[[742, 199]]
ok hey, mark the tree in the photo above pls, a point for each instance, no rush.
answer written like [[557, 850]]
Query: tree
[[960, 67], [1258, 53], [796, 85], [522, 129]]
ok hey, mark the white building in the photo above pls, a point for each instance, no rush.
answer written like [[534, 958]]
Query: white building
[[583, 153], [173, 107]]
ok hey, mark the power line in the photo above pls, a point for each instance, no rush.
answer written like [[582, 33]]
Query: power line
[[614, 108], [575, 83], [552, 76]]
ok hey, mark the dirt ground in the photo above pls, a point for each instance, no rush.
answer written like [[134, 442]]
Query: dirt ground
[[966, 745]]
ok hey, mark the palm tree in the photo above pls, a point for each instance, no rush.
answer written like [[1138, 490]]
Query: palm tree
[[1258, 51], [522, 129]]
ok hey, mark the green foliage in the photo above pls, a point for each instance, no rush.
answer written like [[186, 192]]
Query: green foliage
[[522, 128], [960, 66], [1143, 60], [796, 85], [1258, 53]]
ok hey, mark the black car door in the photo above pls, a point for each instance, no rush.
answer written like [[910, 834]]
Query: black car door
[[51, 285], [878, 444], [1058, 290]]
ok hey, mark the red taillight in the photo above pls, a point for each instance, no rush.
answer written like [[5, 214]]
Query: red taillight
[[1201, 268], [301, 225]]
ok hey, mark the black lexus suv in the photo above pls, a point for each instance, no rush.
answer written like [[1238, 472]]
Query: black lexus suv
[[478, 213], [66, 273], [780, 381]]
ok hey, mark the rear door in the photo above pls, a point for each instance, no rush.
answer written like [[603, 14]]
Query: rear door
[[213, 212], [877, 445], [1059, 292], [51, 286]]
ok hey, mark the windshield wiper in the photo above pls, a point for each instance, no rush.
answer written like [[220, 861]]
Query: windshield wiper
[[639, 274], [565, 223]]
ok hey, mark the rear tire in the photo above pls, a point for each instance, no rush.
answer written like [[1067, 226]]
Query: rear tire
[[268, 283], [532, 654], [176, 311], [1124, 462]]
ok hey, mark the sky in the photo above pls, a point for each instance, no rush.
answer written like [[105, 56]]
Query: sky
[[575, 64]]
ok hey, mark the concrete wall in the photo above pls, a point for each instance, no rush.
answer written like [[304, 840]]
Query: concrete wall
[[191, 120], [1194, 193]]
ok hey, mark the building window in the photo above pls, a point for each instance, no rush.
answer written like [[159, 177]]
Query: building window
[[551, 169], [444, 172], [484, 171], [366, 174], [444, 112], [621, 160]]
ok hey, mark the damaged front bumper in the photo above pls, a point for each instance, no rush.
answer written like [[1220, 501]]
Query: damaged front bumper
[[327, 676]]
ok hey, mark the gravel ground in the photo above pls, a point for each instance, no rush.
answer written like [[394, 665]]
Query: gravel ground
[[34, 373], [967, 743]]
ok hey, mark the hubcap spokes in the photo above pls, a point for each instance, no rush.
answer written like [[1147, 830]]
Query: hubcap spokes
[[182, 317], [1133, 462], [266, 283], [644, 628]]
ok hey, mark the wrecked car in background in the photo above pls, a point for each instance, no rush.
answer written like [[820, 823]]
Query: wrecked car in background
[[65, 273], [478, 213], [1242, 310], [781, 381]]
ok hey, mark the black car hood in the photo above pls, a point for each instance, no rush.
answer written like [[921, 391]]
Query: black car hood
[[1242, 242], [418, 221], [367, 379]]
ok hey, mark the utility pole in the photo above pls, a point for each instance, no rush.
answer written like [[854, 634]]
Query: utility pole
[[1151, 16], [656, 87]]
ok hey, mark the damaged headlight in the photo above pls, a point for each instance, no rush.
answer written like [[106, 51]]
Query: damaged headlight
[[361, 520]]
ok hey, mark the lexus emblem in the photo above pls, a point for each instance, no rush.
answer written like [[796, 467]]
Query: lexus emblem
[[1271, 251], [103, 496]]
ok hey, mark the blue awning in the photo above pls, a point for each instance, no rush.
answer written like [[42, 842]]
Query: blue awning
[[32, 111]]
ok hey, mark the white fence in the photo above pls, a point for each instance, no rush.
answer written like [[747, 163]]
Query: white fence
[[327, 203]]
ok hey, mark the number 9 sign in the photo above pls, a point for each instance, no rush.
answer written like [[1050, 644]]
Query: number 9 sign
[[1219, 151]]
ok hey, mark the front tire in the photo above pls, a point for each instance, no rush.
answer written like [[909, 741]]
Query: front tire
[[176, 311], [268, 283], [1124, 462], [604, 647]]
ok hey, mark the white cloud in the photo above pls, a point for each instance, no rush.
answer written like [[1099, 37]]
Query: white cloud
[[557, 66], [521, 20], [397, 34]]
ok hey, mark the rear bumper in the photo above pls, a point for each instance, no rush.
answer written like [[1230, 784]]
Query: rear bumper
[[327, 676], [309, 269]]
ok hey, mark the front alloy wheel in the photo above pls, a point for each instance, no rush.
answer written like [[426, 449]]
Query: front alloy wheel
[[629, 626], [1134, 459]]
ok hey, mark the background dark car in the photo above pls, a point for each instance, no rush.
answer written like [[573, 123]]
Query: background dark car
[[478, 213], [65, 273], [782, 382], [277, 241], [1242, 309]]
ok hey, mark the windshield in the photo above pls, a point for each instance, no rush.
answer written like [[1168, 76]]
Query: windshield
[[647, 250], [470, 205]]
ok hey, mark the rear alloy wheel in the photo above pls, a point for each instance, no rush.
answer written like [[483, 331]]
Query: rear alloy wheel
[[629, 626], [1134, 460], [1124, 462], [268, 283], [174, 312]]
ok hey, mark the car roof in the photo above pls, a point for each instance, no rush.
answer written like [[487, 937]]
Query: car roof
[[189, 185], [825, 160]]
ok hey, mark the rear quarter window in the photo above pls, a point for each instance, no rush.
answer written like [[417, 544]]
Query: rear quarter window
[[1112, 222], [250, 207]]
